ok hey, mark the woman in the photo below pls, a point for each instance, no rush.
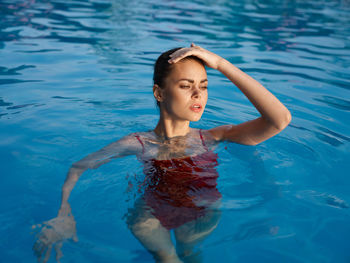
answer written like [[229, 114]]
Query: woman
[[180, 185]]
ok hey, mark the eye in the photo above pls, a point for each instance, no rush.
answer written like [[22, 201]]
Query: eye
[[204, 87], [184, 86]]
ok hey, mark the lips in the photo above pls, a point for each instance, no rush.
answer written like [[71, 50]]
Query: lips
[[196, 107]]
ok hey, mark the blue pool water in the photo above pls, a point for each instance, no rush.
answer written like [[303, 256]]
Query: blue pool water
[[77, 75]]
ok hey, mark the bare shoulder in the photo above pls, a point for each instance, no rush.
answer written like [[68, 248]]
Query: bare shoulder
[[218, 133], [127, 145], [139, 140], [208, 138], [141, 136], [132, 141], [241, 133], [129, 140], [122, 147]]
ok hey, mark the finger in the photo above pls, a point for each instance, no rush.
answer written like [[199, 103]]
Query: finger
[[36, 226], [36, 244], [177, 53], [180, 56], [37, 248], [41, 253], [75, 237], [58, 250], [48, 253]]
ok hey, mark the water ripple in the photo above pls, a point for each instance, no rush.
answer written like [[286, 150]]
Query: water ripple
[[75, 72], [14, 71], [322, 198], [335, 102]]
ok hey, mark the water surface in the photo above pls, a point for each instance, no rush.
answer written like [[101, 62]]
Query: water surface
[[77, 75]]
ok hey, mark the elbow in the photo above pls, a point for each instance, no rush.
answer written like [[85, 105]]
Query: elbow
[[253, 143], [77, 169], [285, 120], [80, 165]]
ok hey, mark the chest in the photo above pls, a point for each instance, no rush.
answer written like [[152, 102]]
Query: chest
[[172, 149]]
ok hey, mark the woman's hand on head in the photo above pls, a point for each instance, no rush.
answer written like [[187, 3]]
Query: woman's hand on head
[[209, 58]]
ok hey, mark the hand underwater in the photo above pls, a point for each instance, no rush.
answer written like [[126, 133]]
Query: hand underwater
[[53, 233], [209, 58]]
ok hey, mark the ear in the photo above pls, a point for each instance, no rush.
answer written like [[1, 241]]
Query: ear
[[158, 93]]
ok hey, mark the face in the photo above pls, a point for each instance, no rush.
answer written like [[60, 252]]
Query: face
[[185, 93]]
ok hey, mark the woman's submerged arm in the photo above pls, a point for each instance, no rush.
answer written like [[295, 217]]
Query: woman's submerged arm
[[274, 115], [123, 147], [63, 227]]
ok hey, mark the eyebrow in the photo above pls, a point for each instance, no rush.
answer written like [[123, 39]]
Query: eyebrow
[[191, 80]]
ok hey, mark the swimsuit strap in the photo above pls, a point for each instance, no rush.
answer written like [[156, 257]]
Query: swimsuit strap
[[203, 142], [143, 146]]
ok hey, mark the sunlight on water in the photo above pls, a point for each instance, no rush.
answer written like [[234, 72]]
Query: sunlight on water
[[77, 75]]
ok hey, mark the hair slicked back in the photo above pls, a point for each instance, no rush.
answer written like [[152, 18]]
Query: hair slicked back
[[162, 67]]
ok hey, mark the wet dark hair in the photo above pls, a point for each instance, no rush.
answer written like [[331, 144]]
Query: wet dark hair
[[162, 68]]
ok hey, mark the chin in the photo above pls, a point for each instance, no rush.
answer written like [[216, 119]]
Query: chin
[[195, 118]]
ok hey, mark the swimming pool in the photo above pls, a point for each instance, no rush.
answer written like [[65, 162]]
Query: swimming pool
[[76, 75]]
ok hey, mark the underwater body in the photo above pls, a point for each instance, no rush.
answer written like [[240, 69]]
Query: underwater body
[[77, 75]]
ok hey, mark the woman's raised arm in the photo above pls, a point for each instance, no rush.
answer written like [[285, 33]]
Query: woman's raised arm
[[274, 115]]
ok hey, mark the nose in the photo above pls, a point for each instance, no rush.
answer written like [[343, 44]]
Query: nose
[[196, 93]]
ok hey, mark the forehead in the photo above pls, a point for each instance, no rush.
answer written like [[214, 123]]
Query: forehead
[[188, 68]]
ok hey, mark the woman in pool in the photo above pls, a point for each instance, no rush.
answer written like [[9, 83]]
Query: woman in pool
[[180, 185]]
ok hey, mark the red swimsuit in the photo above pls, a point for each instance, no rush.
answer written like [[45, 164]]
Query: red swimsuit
[[173, 187]]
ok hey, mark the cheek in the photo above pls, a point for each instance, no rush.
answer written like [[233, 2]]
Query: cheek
[[205, 97], [177, 97], [173, 101]]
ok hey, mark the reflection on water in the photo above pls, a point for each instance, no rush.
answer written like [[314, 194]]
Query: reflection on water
[[76, 75]]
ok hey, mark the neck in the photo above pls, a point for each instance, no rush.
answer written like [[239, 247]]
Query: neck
[[169, 127]]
